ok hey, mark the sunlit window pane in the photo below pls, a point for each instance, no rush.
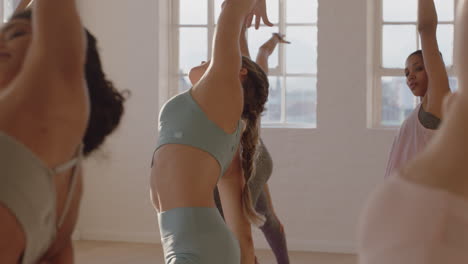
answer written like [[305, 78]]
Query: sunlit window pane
[[256, 38], [301, 11], [302, 52], [184, 83], [273, 106], [398, 43], [400, 10], [445, 41], [273, 10], [397, 101], [453, 83], [298, 59], [193, 48], [193, 12], [301, 100], [217, 9], [445, 10], [8, 8]]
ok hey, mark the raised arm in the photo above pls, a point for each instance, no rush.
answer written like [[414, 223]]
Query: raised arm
[[50, 83], [244, 46], [438, 84], [230, 188], [267, 49], [443, 164], [226, 58], [58, 43]]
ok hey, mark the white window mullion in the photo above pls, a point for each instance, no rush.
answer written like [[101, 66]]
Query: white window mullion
[[300, 24], [378, 58], [282, 59], [415, 23], [7, 7], [2, 6], [300, 75], [211, 26], [174, 47], [192, 26]]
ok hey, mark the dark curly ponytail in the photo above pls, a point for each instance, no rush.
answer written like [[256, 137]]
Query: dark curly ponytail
[[106, 102]]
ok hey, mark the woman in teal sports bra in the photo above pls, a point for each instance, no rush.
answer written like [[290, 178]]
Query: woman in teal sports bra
[[47, 85], [198, 149]]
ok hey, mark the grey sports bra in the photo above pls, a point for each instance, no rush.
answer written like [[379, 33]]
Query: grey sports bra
[[263, 171], [182, 121], [28, 191]]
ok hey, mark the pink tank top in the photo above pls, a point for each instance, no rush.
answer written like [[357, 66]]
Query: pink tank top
[[408, 223], [412, 138]]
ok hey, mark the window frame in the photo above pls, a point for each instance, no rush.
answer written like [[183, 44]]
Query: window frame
[[278, 71], [2, 10], [378, 71]]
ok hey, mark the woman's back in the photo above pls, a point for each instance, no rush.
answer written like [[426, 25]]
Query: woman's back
[[192, 153]]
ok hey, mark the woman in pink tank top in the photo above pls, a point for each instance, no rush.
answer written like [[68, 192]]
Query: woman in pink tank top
[[420, 215], [427, 78]]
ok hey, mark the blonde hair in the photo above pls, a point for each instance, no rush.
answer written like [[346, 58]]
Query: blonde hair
[[256, 87]]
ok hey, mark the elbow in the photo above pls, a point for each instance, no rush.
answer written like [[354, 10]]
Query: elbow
[[263, 52]]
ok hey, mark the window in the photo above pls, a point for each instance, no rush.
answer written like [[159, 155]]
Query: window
[[8, 6], [293, 68], [396, 36]]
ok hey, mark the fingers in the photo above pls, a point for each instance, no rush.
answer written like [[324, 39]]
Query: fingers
[[249, 20], [257, 22], [266, 20], [281, 38]]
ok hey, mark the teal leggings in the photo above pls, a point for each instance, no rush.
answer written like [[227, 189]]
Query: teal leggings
[[197, 236]]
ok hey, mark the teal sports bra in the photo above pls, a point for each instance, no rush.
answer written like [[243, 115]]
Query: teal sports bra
[[182, 121]]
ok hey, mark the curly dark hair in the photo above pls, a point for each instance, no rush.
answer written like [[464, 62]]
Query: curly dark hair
[[105, 100]]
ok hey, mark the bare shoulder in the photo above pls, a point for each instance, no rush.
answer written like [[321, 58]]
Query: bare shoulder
[[220, 99]]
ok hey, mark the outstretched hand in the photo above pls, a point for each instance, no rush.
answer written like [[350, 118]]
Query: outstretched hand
[[281, 38], [260, 13]]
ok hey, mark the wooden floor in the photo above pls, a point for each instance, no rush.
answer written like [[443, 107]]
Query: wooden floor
[[93, 252]]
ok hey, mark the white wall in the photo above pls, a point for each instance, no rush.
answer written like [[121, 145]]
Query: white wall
[[116, 202], [321, 176]]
